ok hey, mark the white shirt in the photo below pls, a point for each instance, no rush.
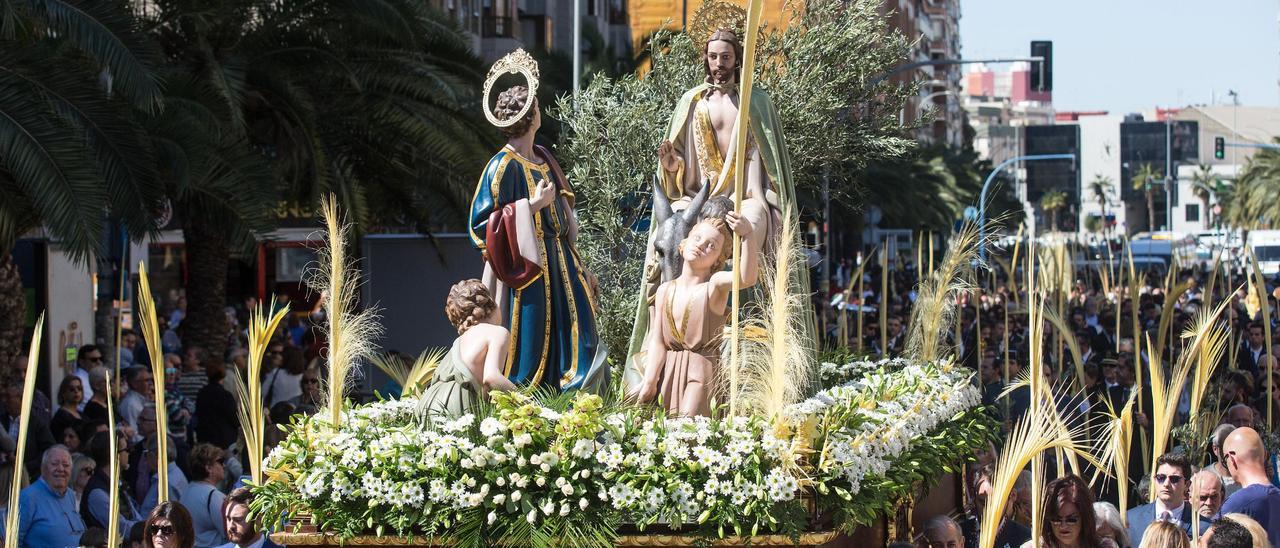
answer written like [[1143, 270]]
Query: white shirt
[[1175, 514]]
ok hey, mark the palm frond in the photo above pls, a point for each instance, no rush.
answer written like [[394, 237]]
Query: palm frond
[[50, 168], [113, 474], [110, 35], [110, 130], [777, 370], [262, 324], [935, 307], [151, 335], [350, 332], [24, 420]]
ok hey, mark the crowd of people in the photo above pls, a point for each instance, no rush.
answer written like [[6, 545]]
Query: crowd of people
[[1216, 486], [69, 450]]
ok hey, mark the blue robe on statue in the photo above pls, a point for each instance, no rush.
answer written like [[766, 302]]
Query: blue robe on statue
[[551, 311]]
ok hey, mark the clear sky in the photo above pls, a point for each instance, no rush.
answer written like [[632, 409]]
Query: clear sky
[[1132, 55]]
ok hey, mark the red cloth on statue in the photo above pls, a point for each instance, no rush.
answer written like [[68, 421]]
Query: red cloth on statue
[[502, 250]]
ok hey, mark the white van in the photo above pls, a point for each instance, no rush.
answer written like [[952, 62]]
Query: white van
[[1265, 245]]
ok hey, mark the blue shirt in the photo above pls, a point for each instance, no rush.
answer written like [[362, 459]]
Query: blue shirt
[[1260, 502], [47, 519]]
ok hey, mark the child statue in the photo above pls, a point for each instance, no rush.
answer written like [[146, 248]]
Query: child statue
[[683, 353], [474, 363]]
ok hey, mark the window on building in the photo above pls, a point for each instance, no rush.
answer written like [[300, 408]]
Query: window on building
[[1193, 213]]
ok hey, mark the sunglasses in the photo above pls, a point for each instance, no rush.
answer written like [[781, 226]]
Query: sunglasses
[[310, 381], [87, 471], [162, 530], [1173, 480], [93, 359], [1069, 520]]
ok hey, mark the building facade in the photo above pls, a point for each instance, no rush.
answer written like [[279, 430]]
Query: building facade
[[497, 27]]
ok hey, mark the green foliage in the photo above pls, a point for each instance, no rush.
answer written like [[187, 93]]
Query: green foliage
[[930, 187], [557, 469], [815, 70], [1251, 202], [72, 151]]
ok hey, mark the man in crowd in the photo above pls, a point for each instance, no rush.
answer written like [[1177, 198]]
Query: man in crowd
[[942, 532], [141, 391], [1226, 533], [88, 357], [1169, 481], [1257, 498], [1011, 533], [1252, 350], [1207, 495], [1219, 467], [1240, 416], [39, 438], [244, 533], [47, 508]]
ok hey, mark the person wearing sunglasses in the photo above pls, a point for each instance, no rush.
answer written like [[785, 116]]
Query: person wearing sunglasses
[[88, 357], [1170, 482], [1069, 521], [168, 526]]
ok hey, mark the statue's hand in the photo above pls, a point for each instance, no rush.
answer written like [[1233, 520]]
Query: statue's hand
[[738, 224], [644, 393], [668, 158], [542, 195]]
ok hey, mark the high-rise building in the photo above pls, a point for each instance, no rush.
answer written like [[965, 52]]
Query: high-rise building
[[999, 105], [934, 28]]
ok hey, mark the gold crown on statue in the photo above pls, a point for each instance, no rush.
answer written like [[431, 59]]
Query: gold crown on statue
[[516, 62], [715, 15]]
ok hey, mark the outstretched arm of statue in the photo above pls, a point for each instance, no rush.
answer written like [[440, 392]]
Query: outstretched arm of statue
[[748, 270], [494, 357], [655, 354]]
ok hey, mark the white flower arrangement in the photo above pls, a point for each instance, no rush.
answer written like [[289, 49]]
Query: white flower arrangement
[[527, 465]]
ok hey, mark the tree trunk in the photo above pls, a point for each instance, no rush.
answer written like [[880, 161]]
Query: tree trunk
[[1151, 212], [13, 309], [1105, 226], [1204, 200], [208, 255], [1053, 220]]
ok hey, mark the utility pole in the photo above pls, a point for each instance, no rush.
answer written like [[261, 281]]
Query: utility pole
[[577, 49]]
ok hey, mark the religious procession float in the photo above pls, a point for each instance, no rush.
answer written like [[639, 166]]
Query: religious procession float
[[716, 425]]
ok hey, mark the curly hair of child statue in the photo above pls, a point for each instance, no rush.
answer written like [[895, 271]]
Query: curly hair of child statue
[[474, 365]]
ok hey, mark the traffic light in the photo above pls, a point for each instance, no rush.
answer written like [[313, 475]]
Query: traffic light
[[1042, 72], [1219, 148]]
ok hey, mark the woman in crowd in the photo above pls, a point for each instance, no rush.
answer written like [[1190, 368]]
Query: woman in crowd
[[1164, 534], [1111, 530], [96, 408], [1069, 521], [169, 526], [82, 468], [67, 420]]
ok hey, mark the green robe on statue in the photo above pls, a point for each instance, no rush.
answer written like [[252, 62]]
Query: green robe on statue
[[768, 159]]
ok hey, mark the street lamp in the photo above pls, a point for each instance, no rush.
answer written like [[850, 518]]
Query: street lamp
[[982, 199]]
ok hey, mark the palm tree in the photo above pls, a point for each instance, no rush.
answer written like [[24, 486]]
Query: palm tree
[[1251, 200], [1142, 180], [289, 101], [1051, 202], [1203, 184], [1100, 188], [74, 78]]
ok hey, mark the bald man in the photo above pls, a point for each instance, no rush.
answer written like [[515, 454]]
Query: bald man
[[1257, 498]]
